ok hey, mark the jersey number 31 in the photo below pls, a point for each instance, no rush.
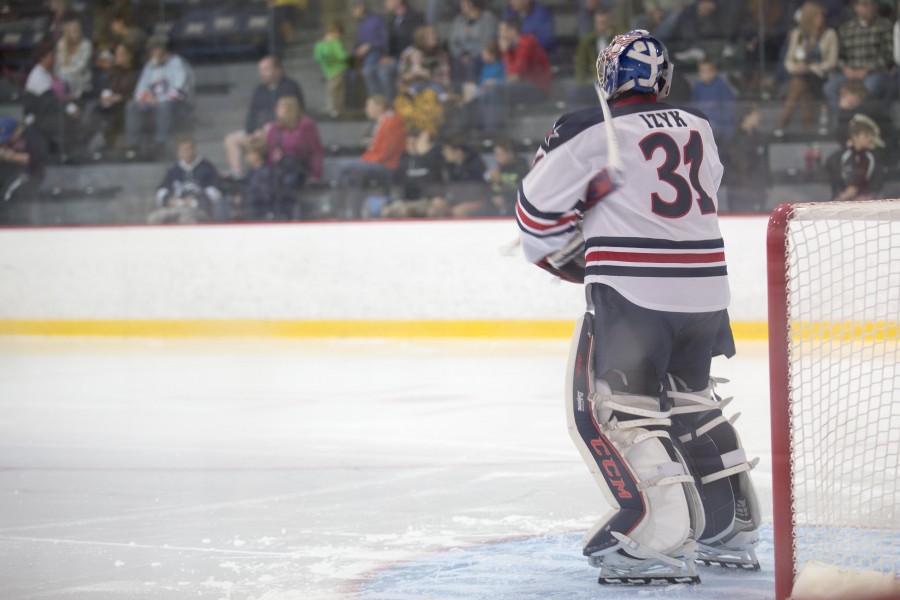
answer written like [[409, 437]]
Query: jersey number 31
[[685, 191]]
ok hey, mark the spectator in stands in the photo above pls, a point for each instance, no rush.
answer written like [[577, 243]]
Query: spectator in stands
[[118, 88], [368, 48], [190, 191], [104, 12], [811, 55], [43, 91], [857, 171], [424, 64], [493, 71], [162, 95], [534, 18], [528, 75], [471, 30], [854, 100], [59, 10], [295, 151], [420, 175], [465, 191], [661, 17], [435, 9], [504, 178], [333, 59], [589, 47], [73, 58], [258, 195], [866, 44], [46, 105], [763, 27], [748, 178], [273, 84], [23, 152], [714, 97], [123, 31], [704, 30], [378, 163], [402, 22]]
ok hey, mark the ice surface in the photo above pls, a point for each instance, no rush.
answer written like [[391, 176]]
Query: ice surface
[[287, 470]]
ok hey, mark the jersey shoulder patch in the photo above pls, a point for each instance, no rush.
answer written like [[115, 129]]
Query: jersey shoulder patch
[[570, 125]]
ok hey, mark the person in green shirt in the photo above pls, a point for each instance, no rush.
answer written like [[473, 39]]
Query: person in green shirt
[[333, 59]]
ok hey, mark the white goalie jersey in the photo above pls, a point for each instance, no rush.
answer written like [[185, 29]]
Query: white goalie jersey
[[655, 238]]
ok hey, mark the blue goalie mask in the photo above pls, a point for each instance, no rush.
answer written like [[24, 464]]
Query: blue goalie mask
[[634, 61]]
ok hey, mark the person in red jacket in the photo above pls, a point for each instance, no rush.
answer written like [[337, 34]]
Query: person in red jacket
[[528, 74], [377, 164]]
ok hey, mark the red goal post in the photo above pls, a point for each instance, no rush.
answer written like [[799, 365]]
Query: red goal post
[[834, 308]]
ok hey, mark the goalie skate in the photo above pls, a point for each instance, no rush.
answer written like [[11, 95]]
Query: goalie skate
[[648, 567], [736, 551]]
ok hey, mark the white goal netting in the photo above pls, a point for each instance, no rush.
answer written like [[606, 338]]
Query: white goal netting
[[843, 299]]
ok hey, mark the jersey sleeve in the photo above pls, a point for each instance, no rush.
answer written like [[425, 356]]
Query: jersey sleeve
[[551, 201]]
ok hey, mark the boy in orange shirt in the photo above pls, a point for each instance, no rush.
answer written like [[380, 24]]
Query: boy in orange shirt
[[377, 164]]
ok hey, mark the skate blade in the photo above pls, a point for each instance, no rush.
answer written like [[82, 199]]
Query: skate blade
[[739, 565], [650, 580]]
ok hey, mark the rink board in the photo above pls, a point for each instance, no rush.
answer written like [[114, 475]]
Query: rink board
[[361, 279]]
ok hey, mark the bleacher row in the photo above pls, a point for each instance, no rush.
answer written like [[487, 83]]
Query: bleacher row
[[123, 192]]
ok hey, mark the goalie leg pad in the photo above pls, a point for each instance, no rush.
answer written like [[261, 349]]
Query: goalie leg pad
[[624, 440], [717, 459]]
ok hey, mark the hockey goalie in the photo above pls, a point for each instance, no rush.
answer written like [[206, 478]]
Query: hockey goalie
[[627, 204]]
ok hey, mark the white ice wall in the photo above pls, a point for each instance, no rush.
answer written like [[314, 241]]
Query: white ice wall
[[442, 270]]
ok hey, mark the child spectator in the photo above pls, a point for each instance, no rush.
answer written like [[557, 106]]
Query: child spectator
[[402, 22], [466, 190], [258, 198], [857, 172], [714, 97], [190, 191], [333, 59], [295, 151], [854, 100], [424, 64], [378, 163], [503, 179], [420, 174], [492, 69]]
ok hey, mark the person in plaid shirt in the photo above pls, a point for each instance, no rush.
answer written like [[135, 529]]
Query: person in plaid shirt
[[866, 48]]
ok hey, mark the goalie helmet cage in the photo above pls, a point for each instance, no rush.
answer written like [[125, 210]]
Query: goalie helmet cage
[[834, 307]]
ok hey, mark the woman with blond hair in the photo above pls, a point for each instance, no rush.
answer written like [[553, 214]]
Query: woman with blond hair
[[811, 55]]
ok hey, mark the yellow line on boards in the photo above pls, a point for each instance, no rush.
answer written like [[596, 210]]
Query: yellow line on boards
[[312, 329]]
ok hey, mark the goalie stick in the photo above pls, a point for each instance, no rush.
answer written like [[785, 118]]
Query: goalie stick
[[614, 165]]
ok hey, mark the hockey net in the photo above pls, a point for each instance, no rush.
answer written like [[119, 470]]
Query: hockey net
[[834, 308]]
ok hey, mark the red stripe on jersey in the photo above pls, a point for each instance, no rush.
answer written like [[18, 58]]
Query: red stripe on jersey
[[644, 257], [532, 224]]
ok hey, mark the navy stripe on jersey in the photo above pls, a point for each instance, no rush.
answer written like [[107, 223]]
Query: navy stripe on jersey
[[639, 242], [543, 224], [614, 271], [650, 257]]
